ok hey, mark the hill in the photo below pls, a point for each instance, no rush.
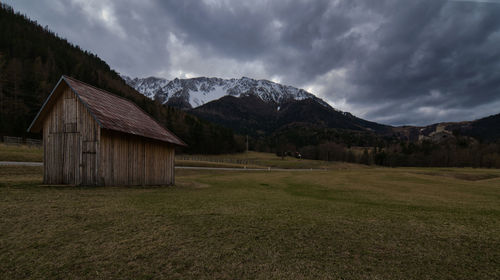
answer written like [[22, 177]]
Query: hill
[[250, 114], [486, 128]]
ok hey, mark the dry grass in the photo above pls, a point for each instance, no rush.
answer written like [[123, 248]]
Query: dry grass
[[20, 153], [197, 163], [470, 174], [371, 223], [265, 160]]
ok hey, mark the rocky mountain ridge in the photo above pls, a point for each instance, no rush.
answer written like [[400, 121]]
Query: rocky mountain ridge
[[195, 92]]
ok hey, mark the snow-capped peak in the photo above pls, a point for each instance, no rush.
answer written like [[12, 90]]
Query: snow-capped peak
[[201, 90]]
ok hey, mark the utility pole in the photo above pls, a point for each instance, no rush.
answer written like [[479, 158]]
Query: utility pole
[[247, 143]]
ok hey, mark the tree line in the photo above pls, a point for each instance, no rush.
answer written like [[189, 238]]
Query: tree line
[[461, 151]]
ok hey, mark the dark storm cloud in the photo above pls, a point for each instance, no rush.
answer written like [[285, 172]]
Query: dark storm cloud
[[123, 33], [393, 61], [236, 29], [435, 58]]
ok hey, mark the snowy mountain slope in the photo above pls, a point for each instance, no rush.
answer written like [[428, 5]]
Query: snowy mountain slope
[[147, 86], [199, 91]]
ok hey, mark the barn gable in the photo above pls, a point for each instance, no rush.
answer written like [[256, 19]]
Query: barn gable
[[109, 111]]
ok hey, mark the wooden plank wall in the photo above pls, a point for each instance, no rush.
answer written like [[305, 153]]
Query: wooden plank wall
[[53, 130], [77, 151], [69, 131], [90, 134], [131, 160]]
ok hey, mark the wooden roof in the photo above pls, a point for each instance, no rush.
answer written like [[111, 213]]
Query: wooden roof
[[110, 112]]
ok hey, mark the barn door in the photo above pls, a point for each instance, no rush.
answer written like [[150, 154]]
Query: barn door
[[71, 159], [53, 158], [71, 145], [88, 166]]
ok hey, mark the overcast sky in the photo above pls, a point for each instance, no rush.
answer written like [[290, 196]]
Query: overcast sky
[[395, 62]]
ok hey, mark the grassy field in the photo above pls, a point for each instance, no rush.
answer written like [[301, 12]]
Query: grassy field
[[259, 160], [20, 153], [355, 223]]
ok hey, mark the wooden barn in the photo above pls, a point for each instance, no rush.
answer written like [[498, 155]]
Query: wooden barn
[[93, 137]]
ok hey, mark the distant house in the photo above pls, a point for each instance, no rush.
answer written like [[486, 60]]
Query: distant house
[[93, 137]]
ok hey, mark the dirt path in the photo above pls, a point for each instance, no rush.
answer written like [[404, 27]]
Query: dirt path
[[22, 163]]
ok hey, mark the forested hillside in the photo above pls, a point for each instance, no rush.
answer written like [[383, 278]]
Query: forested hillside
[[32, 59]]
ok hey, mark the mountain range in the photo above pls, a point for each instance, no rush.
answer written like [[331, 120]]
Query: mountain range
[[249, 106], [259, 107]]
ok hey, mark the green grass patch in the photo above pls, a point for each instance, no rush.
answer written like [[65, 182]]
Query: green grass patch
[[357, 223], [198, 163], [261, 160], [21, 153]]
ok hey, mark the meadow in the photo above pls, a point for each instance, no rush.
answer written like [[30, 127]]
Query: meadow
[[350, 222], [21, 153]]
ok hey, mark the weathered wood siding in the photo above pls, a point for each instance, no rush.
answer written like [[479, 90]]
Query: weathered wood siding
[[77, 151], [71, 138], [126, 159]]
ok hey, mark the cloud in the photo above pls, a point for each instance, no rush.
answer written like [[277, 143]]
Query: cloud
[[392, 61], [187, 61]]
